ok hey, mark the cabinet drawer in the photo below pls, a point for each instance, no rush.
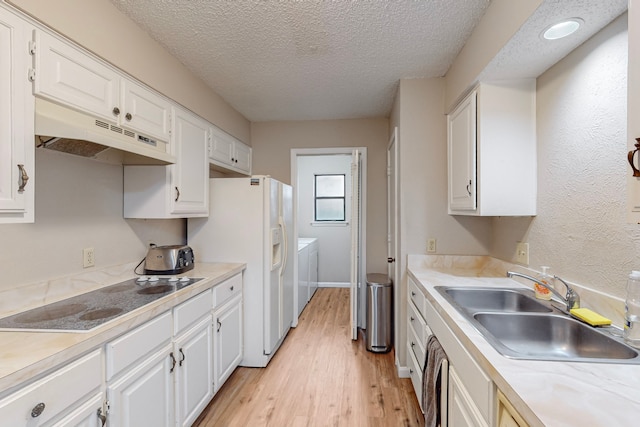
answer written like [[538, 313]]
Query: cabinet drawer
[[416, 295], [124, 351], [58, 392], [416, 376], [417, 322], [417, 345], [227, 290], [192, 310]]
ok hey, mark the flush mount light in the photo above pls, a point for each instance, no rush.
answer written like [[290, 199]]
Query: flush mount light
[[562, 29]]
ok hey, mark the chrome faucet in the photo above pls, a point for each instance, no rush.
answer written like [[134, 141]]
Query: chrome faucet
[[572, 299]]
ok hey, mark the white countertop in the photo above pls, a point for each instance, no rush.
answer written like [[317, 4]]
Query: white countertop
[[25, 355], [545, 393]]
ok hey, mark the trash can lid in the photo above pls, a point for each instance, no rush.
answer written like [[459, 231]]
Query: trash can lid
[[378, 279]]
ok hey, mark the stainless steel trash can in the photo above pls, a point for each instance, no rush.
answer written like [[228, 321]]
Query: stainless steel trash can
[[379, 313]]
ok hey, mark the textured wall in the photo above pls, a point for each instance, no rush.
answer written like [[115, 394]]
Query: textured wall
[[581, 228]]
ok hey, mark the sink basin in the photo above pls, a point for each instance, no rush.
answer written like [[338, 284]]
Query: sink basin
[[520, 327], [494, 299], [551, 337]]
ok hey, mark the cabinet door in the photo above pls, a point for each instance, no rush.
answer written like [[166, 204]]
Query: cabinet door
[[462, 155], [462, 411], [42, 401], [86, 415], [190, 174], [144, 395], [144, 111], [242, 157], [17, 186], [227, 340], [194, 373], [221, 148], [67, 75]]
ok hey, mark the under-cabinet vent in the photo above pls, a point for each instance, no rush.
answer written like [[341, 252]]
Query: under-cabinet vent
[[70, 131], [116, 129], [102, 124]]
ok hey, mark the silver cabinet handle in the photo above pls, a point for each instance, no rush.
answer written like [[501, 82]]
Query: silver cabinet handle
[[102, 417], [177, 194], [116, 111], [183, 357], [219, 325], [23, 178], [231, 288], [128, 116], [469, 187], [37, 410]]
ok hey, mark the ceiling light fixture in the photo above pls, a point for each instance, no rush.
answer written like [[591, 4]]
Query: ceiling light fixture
[[562, 29]]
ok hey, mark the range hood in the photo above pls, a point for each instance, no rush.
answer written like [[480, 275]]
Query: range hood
[[63, 129]]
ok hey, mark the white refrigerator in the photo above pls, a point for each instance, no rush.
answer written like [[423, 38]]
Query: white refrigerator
[[251, 221]]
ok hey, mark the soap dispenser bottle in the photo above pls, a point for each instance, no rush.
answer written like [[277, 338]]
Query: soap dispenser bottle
[[545, 277]]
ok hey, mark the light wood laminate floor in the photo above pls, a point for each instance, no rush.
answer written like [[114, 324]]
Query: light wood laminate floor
[[319, 377]]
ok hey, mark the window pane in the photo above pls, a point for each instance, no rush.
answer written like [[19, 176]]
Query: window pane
[[329, 185], [329, 209]]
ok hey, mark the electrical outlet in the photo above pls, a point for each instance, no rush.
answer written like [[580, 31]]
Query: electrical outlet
[[522, 253], [431, 245], [88, 258]]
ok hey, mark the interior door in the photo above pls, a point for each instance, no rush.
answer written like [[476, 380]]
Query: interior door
[[355, 241]]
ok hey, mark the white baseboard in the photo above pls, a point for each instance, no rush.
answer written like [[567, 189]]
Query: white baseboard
[[403, 371], [334, 284]]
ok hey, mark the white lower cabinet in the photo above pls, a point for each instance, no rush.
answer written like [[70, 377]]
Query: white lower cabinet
[[57, 396], [470, 394], [162, 373], [194, 372], [86, 415], [462, 411], [227, 340], [143, 396]]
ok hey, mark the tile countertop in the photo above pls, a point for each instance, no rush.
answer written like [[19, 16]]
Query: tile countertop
[[544, 393], [25, 355]]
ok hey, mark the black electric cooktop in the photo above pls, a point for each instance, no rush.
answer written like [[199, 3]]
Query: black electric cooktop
[[92, 309]]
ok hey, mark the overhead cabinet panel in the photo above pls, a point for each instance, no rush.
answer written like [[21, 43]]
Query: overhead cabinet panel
[[492, 151], [68, 76], [145, 111], [17, 164]]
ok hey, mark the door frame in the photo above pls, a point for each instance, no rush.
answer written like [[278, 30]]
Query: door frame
[[295, 152]]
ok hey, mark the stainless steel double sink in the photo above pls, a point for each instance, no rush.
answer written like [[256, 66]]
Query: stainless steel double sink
[[520, 327]]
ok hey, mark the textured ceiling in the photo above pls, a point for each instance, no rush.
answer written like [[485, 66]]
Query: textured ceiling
[[315, 59]]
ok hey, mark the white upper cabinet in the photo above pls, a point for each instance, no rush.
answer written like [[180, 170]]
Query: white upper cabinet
[[17, 150], [191, 171], [492, 151], [228, 153], [180, 190], [144, 110], [69, 76]]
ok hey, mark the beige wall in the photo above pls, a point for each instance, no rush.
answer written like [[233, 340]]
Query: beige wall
[[78, 205], [272, 144], [98, 26], [501, 20], [581, 230], [419, 114]]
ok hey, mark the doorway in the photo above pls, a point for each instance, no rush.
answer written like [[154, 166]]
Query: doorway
[[341, 243]]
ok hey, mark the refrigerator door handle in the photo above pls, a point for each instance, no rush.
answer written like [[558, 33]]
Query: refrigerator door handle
[[285, 253]]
